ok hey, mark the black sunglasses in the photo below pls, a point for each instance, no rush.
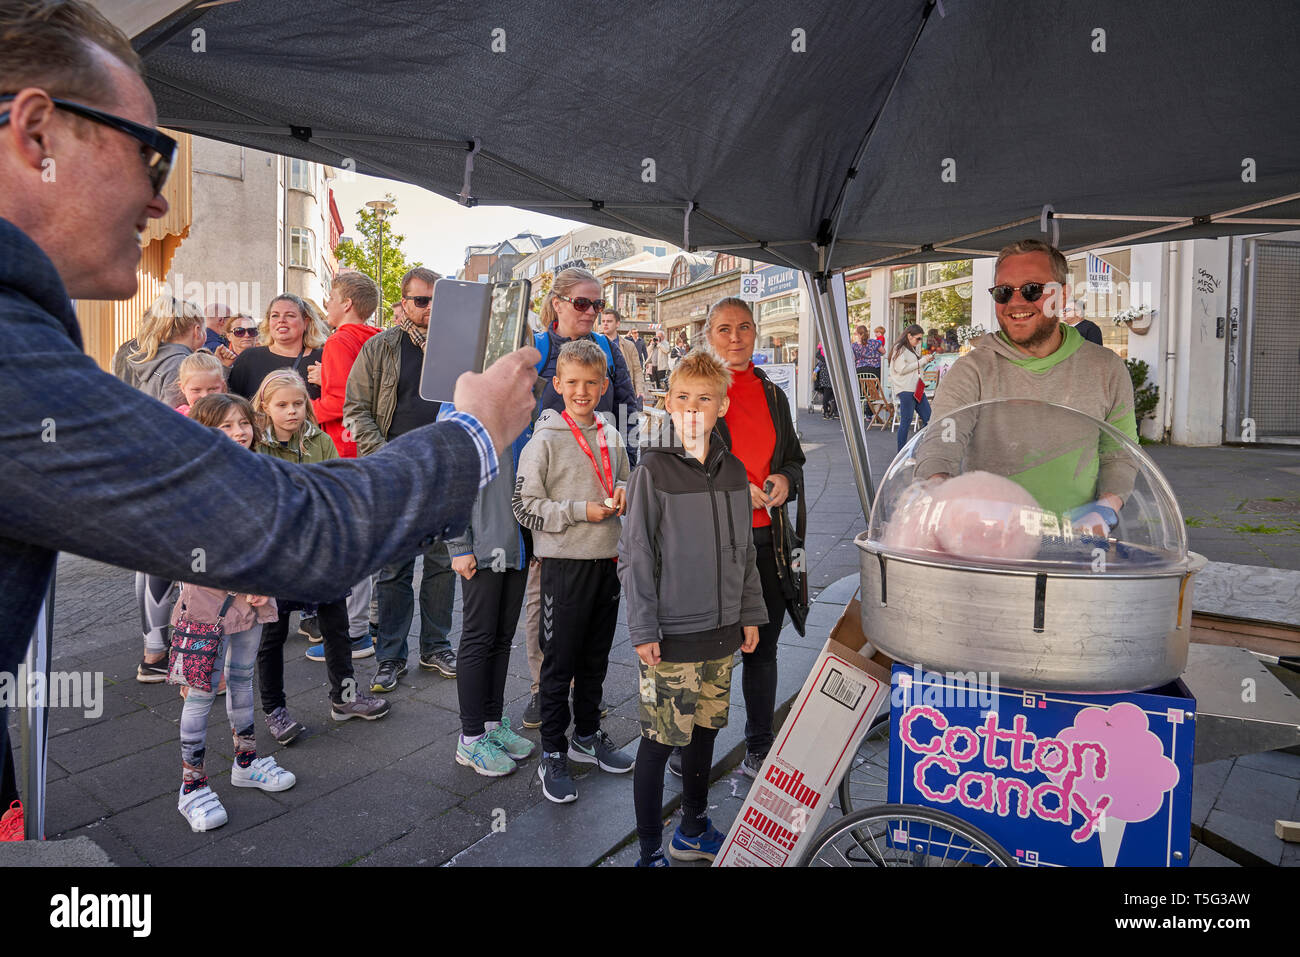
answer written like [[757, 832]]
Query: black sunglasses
[[582, 303], [1032, 291], [244, 332], [421, 302], [161, 147]]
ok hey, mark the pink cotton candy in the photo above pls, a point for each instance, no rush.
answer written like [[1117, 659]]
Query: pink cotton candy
[[980, 515], [911, 528]]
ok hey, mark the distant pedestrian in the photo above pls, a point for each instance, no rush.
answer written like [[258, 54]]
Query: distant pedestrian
[[1073, 315]]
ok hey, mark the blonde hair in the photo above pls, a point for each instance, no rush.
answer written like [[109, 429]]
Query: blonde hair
[[1059, 267], [582, 352], [314, 330], [165, 320], [273, 383], [701, 365], [198, 364], [565, 280]]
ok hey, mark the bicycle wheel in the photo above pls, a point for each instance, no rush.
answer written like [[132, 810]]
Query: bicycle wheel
[[865, 783], [904, 835]]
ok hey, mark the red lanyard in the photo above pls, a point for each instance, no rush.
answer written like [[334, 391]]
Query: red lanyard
[[606, 478]]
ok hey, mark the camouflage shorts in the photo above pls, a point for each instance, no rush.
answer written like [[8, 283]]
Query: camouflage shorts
[[678, 695]]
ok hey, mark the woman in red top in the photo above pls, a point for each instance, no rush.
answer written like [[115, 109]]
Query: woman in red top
[[761, 434]]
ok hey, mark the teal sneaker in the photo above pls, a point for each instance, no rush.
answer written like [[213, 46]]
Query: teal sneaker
[[516, 745], [485, 757]]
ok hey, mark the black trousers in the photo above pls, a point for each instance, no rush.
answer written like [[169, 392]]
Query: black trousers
[[579, 614], [491, 602], [758, 677], [333, 619]]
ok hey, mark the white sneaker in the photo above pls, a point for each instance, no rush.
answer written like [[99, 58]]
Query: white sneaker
[[201, 808], [263, 773]]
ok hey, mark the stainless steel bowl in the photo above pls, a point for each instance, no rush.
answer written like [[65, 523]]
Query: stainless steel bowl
[[1039, 630]]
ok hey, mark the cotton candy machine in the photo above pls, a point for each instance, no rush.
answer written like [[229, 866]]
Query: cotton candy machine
[[990, 549]]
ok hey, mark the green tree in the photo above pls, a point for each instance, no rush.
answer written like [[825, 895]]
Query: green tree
[[941, 308], [363, 255], [1145, 397]]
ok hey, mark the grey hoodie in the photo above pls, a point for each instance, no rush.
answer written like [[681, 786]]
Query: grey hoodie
[[1063, 463], [160, 376], [556, 481], [686, 560]]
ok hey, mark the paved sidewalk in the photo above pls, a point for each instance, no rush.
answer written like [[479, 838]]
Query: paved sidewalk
[[390, 792]]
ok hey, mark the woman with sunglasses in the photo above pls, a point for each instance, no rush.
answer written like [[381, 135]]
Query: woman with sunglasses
[[242, 333], [905, 368], [289, 339]]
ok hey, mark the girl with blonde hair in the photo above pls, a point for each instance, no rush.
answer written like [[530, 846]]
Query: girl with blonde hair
[[169, 332], [286, 429]]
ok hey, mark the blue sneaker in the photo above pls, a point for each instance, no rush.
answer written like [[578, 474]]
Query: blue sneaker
[[362, 647], [702, 847], [657, 861]]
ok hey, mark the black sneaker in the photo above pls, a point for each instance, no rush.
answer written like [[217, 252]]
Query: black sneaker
[[310, 627], [600, 751], [557, 785], [675, 762], [533, 713], [151, 672], [443, 662], [751, 765], [387, 675]]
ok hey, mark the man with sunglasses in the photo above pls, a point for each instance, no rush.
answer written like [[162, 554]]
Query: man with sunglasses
[[1036, 355], [81, 168], [382, 401]]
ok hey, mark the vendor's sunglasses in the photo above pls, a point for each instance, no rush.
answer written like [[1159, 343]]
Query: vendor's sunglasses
[[157, 150], [1032, 291], [421, 302], [244, 332], [582, 303]]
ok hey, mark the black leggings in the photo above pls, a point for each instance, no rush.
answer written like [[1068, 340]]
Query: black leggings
[[492, 601], [758, 675], [648, 787], [338, 654]]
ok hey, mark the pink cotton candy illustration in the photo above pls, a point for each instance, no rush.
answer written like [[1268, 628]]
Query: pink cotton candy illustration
[[1118, 771]]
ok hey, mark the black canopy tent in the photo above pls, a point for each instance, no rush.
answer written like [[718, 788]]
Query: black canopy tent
[[815, 135]]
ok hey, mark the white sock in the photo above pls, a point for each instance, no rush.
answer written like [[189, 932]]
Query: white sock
[[468, 740], [491, 725]]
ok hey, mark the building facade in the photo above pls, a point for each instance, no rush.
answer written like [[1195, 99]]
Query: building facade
[[596, 245], [263, 224]]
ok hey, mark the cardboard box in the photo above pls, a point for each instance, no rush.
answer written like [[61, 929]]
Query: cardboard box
[[813, 750]]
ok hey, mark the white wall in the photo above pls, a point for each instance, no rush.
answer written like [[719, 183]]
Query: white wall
[[1200, 354]]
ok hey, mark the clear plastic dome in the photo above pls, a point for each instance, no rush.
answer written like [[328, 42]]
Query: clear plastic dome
[[1025, 484]]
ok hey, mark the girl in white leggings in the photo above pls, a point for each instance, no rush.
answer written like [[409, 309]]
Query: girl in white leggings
[[242, 623]]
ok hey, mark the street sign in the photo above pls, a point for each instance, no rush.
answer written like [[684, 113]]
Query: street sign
[[782, 375], [751, 287]]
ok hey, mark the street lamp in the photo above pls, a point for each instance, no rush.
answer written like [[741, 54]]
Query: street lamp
[[381, 208]]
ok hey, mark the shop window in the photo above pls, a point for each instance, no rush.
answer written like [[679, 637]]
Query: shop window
[[302, 244]]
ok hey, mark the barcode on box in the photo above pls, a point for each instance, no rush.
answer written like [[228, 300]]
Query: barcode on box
[[840, 687]]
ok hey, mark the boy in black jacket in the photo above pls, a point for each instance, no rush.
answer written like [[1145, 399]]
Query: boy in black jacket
[[692, 593]]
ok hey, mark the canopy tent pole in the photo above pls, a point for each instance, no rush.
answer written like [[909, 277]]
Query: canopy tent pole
[[830, 306], [34, 718]]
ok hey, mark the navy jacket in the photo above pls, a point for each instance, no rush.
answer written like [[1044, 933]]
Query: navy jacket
[[618, 394], [91, 466]]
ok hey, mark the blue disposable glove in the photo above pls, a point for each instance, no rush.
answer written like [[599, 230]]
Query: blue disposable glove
[[1104, 513]]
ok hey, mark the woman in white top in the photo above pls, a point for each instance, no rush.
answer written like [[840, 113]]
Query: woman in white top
[[905, 366]]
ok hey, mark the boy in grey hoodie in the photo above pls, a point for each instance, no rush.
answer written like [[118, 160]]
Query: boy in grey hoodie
[[569, 494], [688, 566]]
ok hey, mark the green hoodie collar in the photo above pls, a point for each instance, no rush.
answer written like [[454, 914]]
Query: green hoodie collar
[[1069, 346]]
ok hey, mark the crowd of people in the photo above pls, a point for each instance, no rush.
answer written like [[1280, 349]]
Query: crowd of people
[[570, 525]]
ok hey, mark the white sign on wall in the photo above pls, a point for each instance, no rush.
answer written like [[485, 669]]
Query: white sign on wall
[[751, 287]]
